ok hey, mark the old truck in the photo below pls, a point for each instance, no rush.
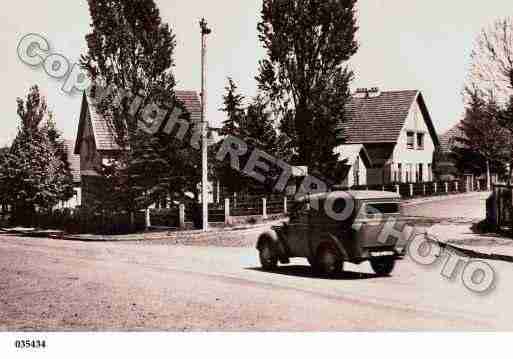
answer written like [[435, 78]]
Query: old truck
[[331, 228]]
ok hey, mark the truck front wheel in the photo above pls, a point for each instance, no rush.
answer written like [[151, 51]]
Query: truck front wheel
[[383, 266]]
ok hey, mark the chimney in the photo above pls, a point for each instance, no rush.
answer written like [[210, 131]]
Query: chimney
[[367, 93], [374, 92], [361, 93]]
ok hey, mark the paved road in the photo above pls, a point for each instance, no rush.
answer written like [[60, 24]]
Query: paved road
[[466, 207], [56, 285]]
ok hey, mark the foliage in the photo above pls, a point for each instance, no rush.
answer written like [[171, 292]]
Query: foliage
[[304, 76], [234, 109], [483, 140], [33, 170], [492, 60], [254, 125]]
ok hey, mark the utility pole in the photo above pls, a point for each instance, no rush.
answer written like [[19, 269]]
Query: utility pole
[[204, 124]]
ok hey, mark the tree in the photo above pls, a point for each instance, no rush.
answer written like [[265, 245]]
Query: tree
[[482, 136], [505, 120], [32, 169], [492, 72], [54, 135], [258, 126], [234, 109], [492, 60], [130, 51], [304, 75], [254, 125]]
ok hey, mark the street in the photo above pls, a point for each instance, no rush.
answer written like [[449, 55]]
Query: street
[[59, 285]]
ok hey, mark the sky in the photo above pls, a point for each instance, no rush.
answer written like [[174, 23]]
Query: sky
[[404, 44]]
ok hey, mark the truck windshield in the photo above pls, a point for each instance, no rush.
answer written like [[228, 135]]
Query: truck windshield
[[382, 208]]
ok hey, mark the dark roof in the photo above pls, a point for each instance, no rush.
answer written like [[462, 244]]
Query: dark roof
[[380, 119], [103, 133], [447, 140], [73, 159]]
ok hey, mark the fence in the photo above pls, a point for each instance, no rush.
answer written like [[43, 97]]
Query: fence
[[247, 206], [251, 208], [426, 189]]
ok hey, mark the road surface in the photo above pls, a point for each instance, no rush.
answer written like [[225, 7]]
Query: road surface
[[59, 285]]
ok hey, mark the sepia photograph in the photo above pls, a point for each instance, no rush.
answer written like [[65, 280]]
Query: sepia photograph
[[221, 173]]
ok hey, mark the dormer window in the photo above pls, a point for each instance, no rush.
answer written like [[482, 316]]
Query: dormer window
[[410, 140]]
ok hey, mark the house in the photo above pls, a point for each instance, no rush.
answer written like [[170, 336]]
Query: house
[[96, 141], [397, 131], [357, 161]]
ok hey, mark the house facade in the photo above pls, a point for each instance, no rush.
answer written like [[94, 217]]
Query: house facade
[[396, 129]]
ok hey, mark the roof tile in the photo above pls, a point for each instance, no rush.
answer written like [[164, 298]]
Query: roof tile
[[104, 134], [377, 119]]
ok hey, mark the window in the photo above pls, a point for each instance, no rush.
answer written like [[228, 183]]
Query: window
[[420, 173], [400, 172], [420, 141], [382, 208], [410, 140]]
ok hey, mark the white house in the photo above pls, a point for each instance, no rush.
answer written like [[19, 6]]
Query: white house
[[397, 132]]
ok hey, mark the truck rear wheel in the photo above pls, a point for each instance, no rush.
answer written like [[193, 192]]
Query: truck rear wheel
[[268, 256], [383, 266], [328, 261]]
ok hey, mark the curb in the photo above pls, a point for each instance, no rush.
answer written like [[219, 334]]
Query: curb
[[473, 254]]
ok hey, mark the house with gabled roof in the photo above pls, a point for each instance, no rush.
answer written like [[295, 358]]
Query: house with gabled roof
[[96, 140], [397, 131]]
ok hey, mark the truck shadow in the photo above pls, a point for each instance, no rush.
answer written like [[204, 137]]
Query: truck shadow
[[306, 272]]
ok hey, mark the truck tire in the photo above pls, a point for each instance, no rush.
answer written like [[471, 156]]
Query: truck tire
[[383, 266], [328, 260], [268, 256]]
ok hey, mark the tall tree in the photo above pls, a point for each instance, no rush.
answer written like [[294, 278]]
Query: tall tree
[[492, 60], [491, 72], [131, 52], [233, 107], [61, 152], [482, 136], [32, 170], [304, 74], [505, 120]]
